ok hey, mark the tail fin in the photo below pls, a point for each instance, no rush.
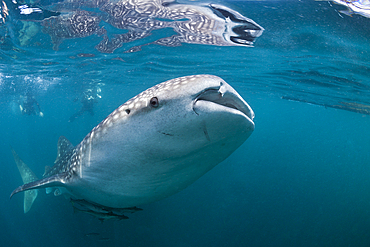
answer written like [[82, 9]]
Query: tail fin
[[27, 177]]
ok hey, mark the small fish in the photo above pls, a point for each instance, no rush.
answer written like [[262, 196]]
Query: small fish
[[104, 239], [85, 55]]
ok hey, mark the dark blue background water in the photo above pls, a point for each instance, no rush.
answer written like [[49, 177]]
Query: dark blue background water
[[301, 179]]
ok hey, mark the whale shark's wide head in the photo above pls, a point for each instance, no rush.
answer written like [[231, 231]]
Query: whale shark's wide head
[[178, 118], [156, 144]]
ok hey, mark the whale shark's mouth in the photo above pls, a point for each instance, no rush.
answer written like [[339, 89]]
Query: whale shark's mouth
[[226, 99]]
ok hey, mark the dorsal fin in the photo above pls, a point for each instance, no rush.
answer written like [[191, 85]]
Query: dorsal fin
[[53, 181], [63, 147]]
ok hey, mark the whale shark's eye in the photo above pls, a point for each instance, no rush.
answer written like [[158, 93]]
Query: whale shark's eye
[[154, 102]]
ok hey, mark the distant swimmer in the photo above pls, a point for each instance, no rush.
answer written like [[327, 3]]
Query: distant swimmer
[[28, 105], [90, 97]]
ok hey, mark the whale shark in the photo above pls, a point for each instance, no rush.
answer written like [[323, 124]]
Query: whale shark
[[151, 147]]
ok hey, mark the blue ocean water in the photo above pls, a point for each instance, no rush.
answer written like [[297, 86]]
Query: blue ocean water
[[301, 179]]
